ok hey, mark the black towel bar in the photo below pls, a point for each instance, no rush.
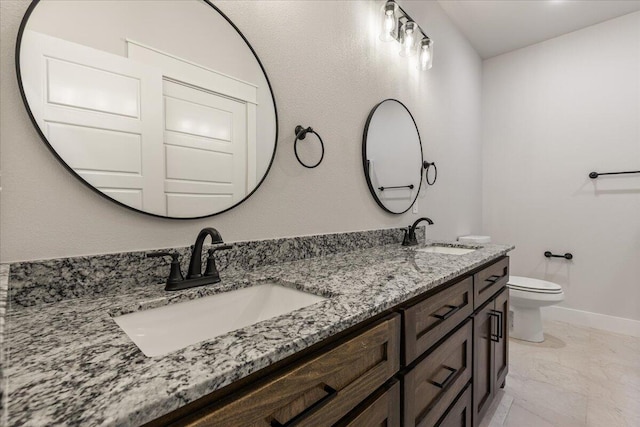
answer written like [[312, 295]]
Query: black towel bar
[[568, 255], [594, 175], [410, 186]]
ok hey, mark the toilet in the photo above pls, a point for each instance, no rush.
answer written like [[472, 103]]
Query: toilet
[[526, 297]]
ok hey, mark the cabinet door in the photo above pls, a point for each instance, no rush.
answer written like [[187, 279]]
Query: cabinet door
[[501, 362], [483, 361]]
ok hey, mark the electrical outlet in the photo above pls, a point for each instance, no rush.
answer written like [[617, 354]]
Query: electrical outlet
[[415, 208]]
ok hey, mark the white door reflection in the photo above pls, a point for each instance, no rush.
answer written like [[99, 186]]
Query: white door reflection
[[193, 136]]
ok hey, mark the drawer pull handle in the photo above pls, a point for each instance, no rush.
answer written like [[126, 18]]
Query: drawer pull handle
[[448, 380], [452, 310], [498, 315], [331, 393], [493, 279]]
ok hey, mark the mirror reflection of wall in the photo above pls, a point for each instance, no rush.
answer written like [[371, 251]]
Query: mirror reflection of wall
[[167, 121], [392, 156]]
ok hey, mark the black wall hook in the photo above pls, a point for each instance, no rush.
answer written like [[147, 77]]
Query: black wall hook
[[301, 133], [426, 165]]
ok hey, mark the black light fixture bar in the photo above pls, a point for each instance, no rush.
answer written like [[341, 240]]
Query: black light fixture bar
[[406, 17]]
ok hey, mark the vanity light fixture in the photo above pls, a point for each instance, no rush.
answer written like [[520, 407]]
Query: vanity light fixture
[[426, 54], [397, 25], [388, 21]]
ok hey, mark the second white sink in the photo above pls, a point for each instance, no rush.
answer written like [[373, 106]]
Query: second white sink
[[172, 327], [449, 250]]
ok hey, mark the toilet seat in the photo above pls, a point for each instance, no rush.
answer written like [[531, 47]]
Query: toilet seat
[[527, 284]]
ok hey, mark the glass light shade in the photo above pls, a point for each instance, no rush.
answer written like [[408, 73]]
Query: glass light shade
[[388, 22], [408, 39], [426, 54]]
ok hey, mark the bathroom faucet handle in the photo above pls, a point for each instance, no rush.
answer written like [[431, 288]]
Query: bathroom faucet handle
[[409, 238], [211, 269], [175, 274]]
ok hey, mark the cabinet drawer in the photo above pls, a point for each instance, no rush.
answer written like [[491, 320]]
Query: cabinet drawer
[[460, 413], [426, 322], [381, 409], [433, 384], [489, 281], [318, 391]]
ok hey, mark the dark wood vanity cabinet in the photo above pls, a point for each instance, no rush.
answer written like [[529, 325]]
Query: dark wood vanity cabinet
[[456, 350], [433, 361], [316, 391], [431, 386], [491, 346]]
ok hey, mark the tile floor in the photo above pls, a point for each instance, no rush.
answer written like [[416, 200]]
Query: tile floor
[[577, 377]]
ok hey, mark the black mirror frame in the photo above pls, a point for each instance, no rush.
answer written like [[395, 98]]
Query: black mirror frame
[[365, 162], [23, 25]]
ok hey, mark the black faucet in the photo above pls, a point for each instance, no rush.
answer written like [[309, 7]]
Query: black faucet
[[410, 232], [176, 281], [195, 265]]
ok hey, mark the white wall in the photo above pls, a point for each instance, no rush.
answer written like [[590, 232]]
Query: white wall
[[328, 70], [553, 112]]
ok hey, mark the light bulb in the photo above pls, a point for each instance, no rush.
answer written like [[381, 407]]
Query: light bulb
[[388, 21], [408, 39], [426, 54]]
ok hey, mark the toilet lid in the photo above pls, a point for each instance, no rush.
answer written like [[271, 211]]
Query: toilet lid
[[533, 285]]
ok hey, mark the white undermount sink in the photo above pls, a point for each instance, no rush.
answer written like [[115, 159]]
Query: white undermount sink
[[448, 250], [172, 327]]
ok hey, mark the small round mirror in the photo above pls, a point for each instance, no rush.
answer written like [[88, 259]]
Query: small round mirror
[[392, 156]]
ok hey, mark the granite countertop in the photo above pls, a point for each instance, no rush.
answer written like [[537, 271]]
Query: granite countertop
[[69, 363]]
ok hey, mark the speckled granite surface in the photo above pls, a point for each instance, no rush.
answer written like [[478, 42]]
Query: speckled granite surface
[[72, 365], [48, 281], [4, 285]]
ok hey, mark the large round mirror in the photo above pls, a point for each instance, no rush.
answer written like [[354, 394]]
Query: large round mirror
[[161, 106], [392, 156]]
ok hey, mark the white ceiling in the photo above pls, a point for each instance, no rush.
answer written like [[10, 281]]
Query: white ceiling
[[498, 26]]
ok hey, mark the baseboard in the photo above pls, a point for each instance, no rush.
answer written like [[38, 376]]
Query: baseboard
[[618, 325]]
